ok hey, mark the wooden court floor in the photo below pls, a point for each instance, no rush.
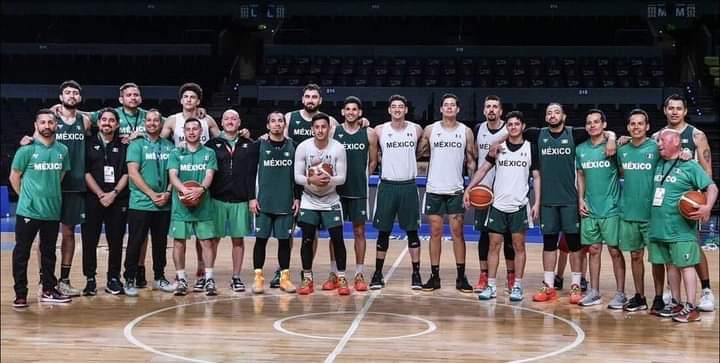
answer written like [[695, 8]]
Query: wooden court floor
[[396, 325]]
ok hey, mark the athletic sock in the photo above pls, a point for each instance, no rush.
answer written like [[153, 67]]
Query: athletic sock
[[181, 275], [208, 273], [549, 278], [518, 282], [416, 267], [333, 267], [492, 282], [434, 269], [379, 262], [576, 277], [359, 269], [705, 284], [460, 269], [64, 272]]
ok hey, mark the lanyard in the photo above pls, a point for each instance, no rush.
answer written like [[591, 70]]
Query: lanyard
[[668, 172], [133, 127]]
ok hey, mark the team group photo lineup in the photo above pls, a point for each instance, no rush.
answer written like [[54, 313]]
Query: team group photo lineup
[[300, 212]]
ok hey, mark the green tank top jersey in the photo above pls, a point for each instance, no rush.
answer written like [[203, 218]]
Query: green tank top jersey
[[299, 129], [356, 149], [41, 167], [666, 223], [686, 139], [192, 166], [638, 164], [73, 136], [602, 192], [152, 159], [557, 168], [275, 179], [128, 122]]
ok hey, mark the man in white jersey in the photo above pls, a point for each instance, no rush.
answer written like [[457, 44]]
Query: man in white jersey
[[450, 145], [397, 193], [320, 166], [508, 212], [488, 133]]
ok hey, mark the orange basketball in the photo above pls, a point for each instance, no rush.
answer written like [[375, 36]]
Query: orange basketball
[[323, 168], [187, 202], [689, 201], [481, 196]]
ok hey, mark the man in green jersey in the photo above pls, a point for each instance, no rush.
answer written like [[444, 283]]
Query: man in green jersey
[[149, 209], [598, 199], [361, 151], [673, 238], [36, 174], [277, 201], [637, 160], [194, 162]]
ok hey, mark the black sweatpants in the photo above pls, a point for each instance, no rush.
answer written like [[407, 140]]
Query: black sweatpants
[[139, 223], [114, 218], [25, 231]]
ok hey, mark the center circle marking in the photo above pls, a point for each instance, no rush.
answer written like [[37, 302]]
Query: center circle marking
[[278, 325]]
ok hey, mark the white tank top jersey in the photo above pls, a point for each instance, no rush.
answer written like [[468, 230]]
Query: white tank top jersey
[[398, 149], [306, 155], [512, 172], [447, 157], [179, 133], [485, 138]]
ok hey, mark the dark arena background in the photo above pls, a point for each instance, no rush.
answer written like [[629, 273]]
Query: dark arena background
[[256, 57]]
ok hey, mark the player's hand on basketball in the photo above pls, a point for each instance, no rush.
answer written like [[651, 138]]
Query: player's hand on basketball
[[319, 179], [583, 209], [702, 213], [535, 211], [254, 207], [244, 133], [685, 154], [26, 140], [296, 206]]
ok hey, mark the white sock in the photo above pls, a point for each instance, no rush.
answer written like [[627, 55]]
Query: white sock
[[308, 275], [492, 282], [341, 273], [181, 275], [576, 277], [359, 269], [518, 282], [333, 267], [208, 273], [549, 278]]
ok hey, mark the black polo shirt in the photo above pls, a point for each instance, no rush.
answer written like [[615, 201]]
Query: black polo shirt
[[98, 156]]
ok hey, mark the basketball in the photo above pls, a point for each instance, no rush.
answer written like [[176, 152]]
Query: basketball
[[322, 168], [481, 196], [187, 202], [689, 201]]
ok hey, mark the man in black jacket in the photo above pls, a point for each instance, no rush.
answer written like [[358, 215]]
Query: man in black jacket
[[232, 188], [106, 177]]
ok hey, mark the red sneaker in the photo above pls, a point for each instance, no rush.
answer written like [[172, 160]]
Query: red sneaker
[[482, 282], [546, 293], [575, 294], [331, 283], [306, 287], [360, 284], [343, 288]]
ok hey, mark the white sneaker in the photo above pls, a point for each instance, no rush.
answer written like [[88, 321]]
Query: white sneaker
[[164, 285], [66, 288], [707, 301], [618, 301]]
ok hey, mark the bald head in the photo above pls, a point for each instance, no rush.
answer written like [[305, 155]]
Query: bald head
[[669, 143], [230, 121]]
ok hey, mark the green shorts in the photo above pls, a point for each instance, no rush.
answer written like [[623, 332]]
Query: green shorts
[[355, 209], [72, 211], [279, 226], [203, 230], [680, 254], [323, 219], [397, 199], [599, 230], [501, 222], [231, 219], [480, 219], [559, 218], [442, 204], [633, 235]]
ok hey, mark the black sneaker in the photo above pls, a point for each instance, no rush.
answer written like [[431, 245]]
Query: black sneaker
[[672, 309], [140, 281], [377, 282], [433, 283], [657, 306], [636, 303], [558, 283], [90, 287], [275, 282], [181, 287], [20, 302], [583, 284], [114, 286], [416, 283], [54, 296], [462, 284], [210, 289], [199, 285], [237, 285]]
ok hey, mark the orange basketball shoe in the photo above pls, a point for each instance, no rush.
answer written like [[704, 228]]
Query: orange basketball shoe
[[546, 293], [306, 287], [360, 284], [575, 294], [343, 288], [331, 283]]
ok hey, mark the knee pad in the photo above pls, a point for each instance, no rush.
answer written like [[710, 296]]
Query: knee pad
[[508, 249], [483, 246], [550, 242], [413, 239], [573, 242], [383, 241]]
